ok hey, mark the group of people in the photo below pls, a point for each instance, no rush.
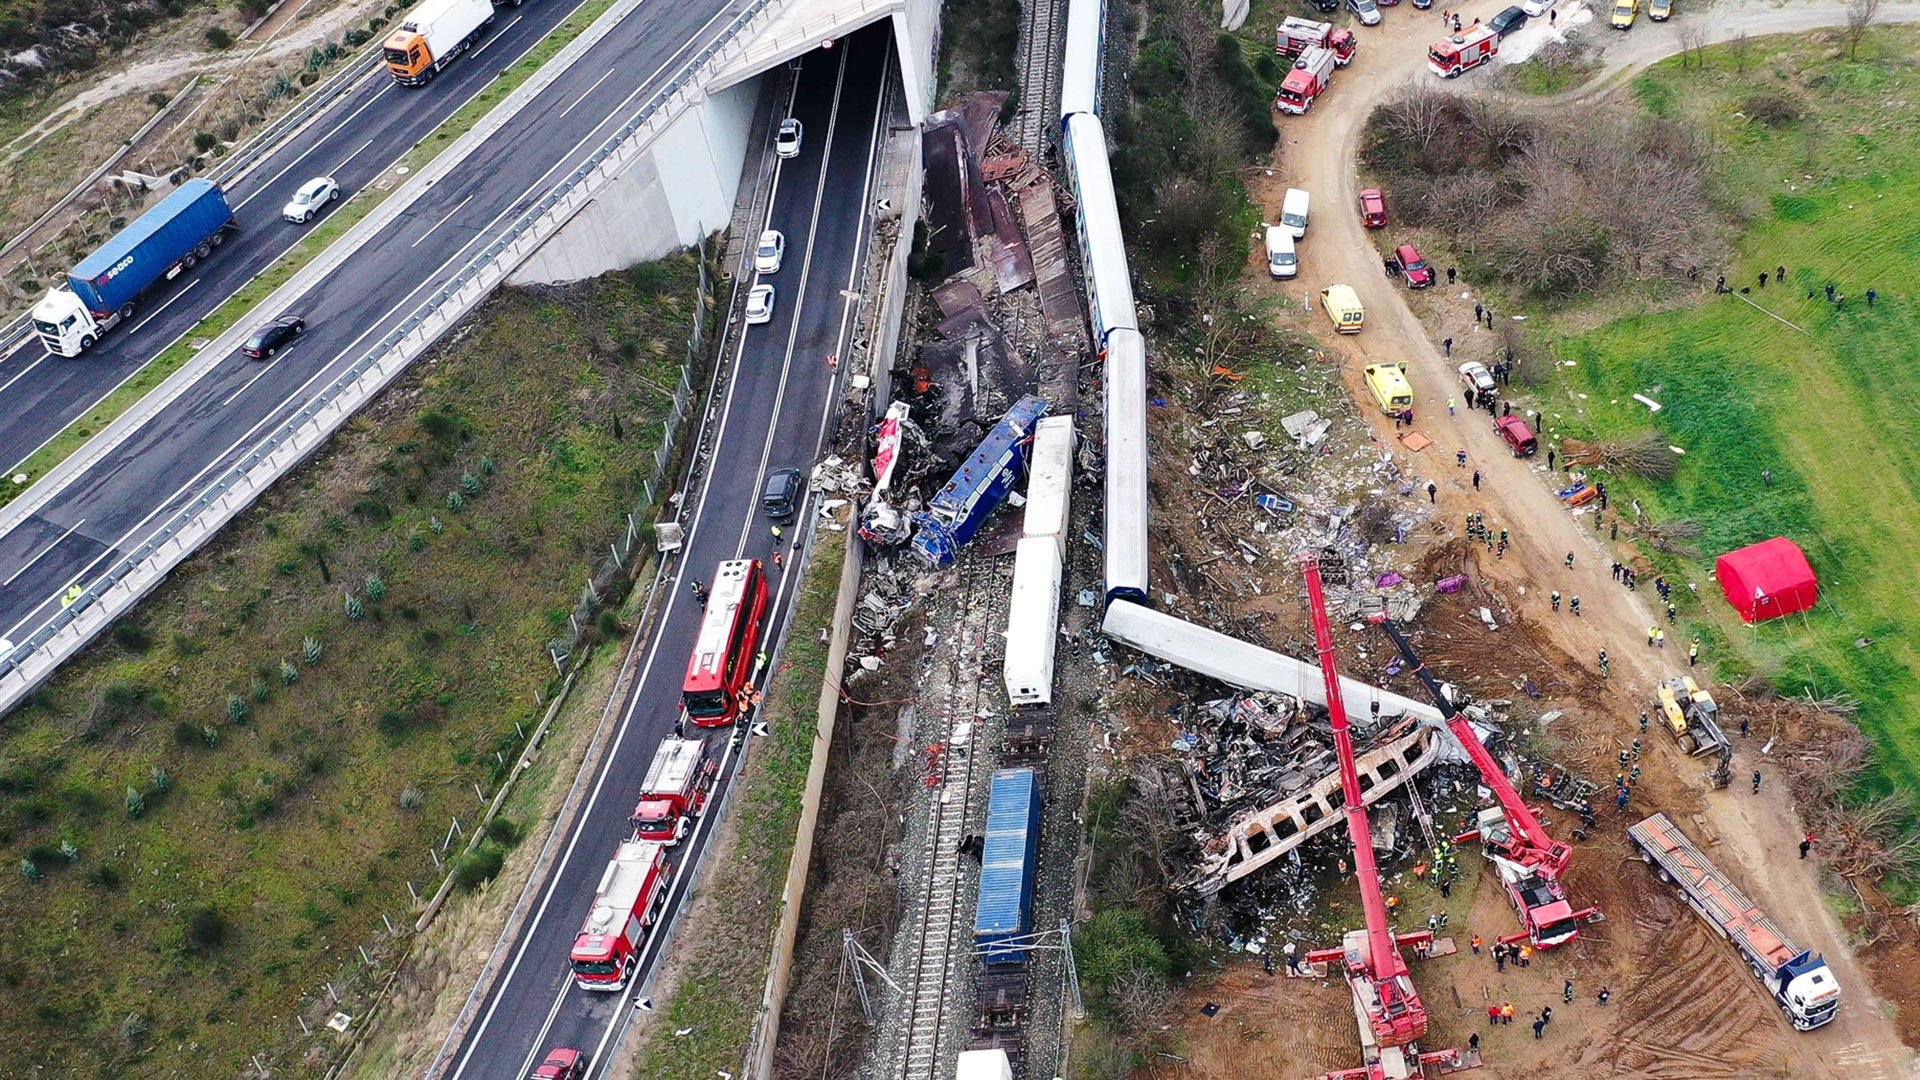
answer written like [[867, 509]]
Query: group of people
[[1834, 296]]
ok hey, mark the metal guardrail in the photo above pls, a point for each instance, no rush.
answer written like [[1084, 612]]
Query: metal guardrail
[[305, 429]]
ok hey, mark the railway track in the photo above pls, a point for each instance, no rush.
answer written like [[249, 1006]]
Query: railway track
[[942, 944], [1043, 26]]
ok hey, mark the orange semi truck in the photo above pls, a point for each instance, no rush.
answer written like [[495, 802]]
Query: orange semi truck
[[431, 35]]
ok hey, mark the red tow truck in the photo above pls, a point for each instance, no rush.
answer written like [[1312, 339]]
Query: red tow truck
[[1295, 35], [1464, 51], [625, 905], [1309, 77], [675, 789]]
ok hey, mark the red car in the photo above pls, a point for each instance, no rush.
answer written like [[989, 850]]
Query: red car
[[1412, 267], [561, 1064], [1373, 208], [1515, 433]]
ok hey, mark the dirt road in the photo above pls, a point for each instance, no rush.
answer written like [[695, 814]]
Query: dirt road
[[1757, 834]]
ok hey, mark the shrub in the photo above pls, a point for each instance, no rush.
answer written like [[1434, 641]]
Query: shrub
[[412, 798], [133, 1028], [204, 141], [206, 928], [355, 609], [503, 831], [353, 39], [289, 673], [136, 805], [479, 866], [442, 427], [237, 709], [376, 586], [133, 636], [104, 877], [310, 650], [455, 501], [1772, 108], [29, 869], [218, 38]]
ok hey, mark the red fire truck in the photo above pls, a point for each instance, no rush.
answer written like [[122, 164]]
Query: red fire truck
[[1464, 51], [675, 789], [625, 905], [723, 654], [1309, 77], [1296, 34]]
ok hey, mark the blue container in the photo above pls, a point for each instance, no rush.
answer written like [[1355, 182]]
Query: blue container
[[977, 489], [144, 252], [1005, 913]]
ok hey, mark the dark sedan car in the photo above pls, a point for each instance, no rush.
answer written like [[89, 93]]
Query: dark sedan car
[[1508, 21], [274, 336]]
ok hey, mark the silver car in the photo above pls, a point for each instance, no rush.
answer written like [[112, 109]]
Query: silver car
[[1366, 11], [760, 305], [786, 143], [312, 197]]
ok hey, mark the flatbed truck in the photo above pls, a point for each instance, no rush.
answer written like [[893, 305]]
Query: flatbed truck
[[1799, 981]]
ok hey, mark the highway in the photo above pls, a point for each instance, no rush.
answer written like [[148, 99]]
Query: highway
[[773, 410], [354, 140], [118, 501]]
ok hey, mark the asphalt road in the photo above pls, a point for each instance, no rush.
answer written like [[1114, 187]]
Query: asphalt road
[[354, 141], [114, 505], [772, 412]]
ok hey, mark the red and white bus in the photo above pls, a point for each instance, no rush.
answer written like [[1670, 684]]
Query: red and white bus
[[723, 655]]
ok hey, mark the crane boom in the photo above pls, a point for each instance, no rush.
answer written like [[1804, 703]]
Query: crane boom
[[1393, 1005], [1529, 860]]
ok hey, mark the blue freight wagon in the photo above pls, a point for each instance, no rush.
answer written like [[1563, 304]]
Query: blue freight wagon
[[1005, 914], [161, 244], [980, 485]]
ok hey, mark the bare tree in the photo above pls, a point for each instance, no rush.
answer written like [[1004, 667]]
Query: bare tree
[[1693, 38], [1740, 47], [1860, 15]]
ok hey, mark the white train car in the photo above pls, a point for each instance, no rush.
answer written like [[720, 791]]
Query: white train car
[[1126, 539], [1050, 481], [1103, 248], [1081, 69], [1033, 622]]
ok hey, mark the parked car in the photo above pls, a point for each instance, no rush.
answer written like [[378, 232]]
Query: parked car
[[310, 199], [1475, 377], [1517, 435], [780, 499], [1373, 208], [1509, 20], [786, 143], [760, 305], [1535, 8], [1366, 11], [1659, 10], [1423, 5], [562, 1064], [271, 338], [1413, 268], [1623, 13], [772, 248]]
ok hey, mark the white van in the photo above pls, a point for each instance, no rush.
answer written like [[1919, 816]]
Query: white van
[[1281, 261], [1293, 212]]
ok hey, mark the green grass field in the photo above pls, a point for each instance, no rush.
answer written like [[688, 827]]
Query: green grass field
[[283, 797], [1834, 196]]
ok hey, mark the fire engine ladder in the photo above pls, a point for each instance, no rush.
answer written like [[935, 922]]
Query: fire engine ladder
[[1425, 819]]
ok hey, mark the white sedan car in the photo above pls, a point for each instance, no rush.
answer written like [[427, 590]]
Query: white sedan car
[[1535, 9], [786, 143], [312, 197], [760, 305], [767, 255]]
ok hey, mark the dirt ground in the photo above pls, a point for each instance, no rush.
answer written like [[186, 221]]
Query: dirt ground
[[1682, 1005]]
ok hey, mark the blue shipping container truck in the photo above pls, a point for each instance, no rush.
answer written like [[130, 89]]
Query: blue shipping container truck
[[1006, 867], [980, 485], [177, 233]]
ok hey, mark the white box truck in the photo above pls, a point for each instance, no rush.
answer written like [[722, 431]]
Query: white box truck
[[1033, 620], [431, 35]]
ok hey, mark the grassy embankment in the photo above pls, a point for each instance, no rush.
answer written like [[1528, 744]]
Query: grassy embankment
[[722, 952], [1830, 189], [207, 812], [349, 212]]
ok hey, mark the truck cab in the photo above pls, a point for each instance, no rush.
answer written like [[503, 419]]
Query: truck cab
[[64, 324]]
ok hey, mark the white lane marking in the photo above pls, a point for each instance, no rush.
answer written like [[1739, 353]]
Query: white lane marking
[[317, 144], [338, 169], [18, 375], [155, 313], [24, 567], [588, 90], [264, 368], [443, 221], [496, 36]]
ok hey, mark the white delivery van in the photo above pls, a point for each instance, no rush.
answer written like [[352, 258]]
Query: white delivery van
[[1281, 261], [1293, 212]]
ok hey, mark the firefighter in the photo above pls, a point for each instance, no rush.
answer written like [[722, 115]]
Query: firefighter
[[1555, 600], [1633, 776], [1574, 604], [1625, 757], [1643, 721], [1636, 749], [1606, 665]]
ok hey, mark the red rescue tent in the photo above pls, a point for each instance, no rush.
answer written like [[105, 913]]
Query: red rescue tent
[[1768, 579]]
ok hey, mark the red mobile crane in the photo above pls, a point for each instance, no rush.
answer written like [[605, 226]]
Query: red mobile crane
[[1530, 862], [1391, 1015]]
